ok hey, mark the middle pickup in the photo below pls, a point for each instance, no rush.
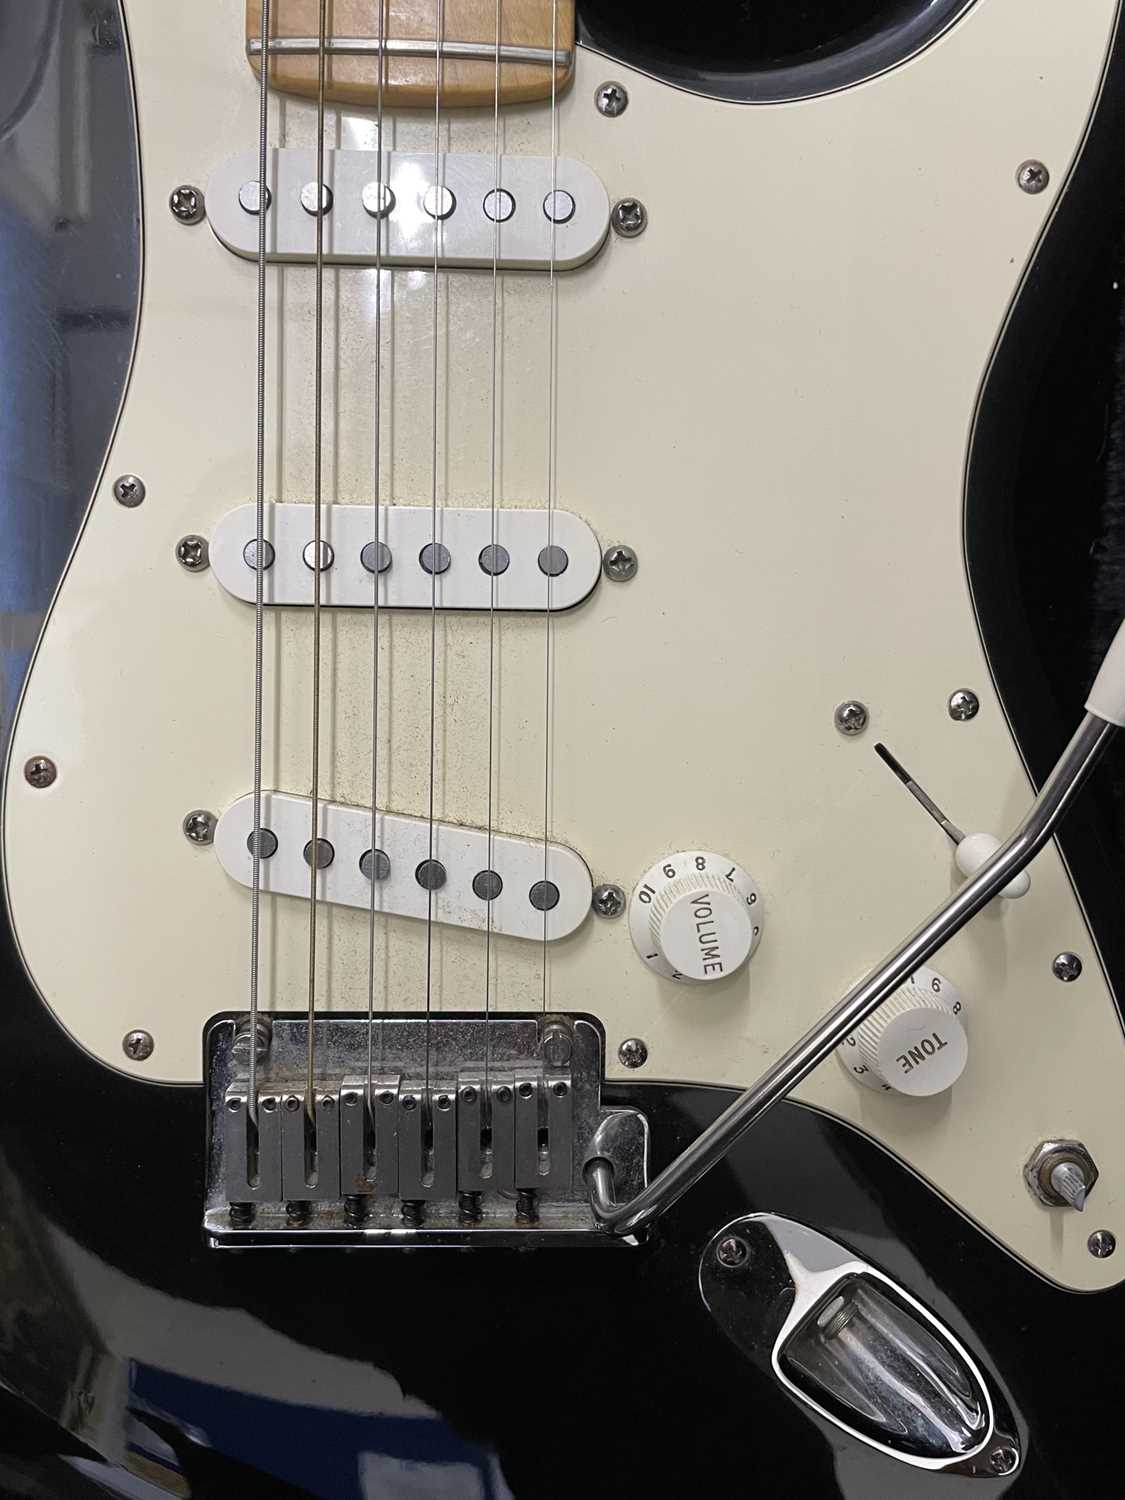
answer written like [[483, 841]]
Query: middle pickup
[[506, 559]]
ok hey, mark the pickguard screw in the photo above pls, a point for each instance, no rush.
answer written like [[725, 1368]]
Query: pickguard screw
[[186, 203], [1033, 176], [129, 491], [732, 1252], [611, 99], [199, 826], [963, 704], [191, 552], [40, 772], [1102, 1243], [1003, 1460], [619, 562], [1066, 966], [633, 1053], [629, 218], [851, 717], [137, 1044], [608, 900]]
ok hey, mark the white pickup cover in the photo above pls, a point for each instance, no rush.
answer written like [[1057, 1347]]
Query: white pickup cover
[[528, 239], [463, 852], [466, 534]]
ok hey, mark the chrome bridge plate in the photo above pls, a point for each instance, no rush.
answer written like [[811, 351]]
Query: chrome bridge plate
[[489, 1152]]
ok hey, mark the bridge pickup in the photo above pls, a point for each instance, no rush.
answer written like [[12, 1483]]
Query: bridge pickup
[[545, 212], [530, 561], [489, 1151], [532, 891]]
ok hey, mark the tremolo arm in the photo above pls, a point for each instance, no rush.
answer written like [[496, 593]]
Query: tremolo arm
[[1105, 714]]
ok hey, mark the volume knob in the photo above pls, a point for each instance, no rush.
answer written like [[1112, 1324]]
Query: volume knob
[[915, 1043], [695, 916]]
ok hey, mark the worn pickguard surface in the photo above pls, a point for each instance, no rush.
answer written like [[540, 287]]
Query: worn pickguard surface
[[770, 395]]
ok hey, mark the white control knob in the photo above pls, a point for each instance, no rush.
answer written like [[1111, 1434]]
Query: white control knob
[[695, 916], [915, 1043]]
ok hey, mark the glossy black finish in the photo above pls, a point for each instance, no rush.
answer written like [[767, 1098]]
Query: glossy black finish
[[130, 1355]]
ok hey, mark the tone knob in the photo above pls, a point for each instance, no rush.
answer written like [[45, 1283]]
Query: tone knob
[[695, 916], [915, 1043]]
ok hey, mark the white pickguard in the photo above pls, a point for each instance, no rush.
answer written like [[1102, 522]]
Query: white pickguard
[[769, 394]]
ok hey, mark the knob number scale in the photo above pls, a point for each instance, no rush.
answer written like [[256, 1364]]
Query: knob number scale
[[915, 1043], [695, 916]]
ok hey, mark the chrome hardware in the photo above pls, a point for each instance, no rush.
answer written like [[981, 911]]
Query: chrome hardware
[[393, 47], [1101, 1243], [1061, 1174], [40, 772], [608, 900], [129, 491], [191, 553], [250, 197], [632, 1053], [482, 1155], [1032, 176], [619, 562], [186, 203], [851, 717], [1066, 966], [629, 218], [963, 704], [611, 99], [844, 1339], [199, 826], [863, 999], [137, 1044]]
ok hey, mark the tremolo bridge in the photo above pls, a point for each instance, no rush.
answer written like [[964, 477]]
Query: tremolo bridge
[[456, 1130]]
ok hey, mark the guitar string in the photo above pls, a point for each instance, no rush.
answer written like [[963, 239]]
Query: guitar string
[[493, 535], [552, 459], [439, 205], [380, 222], [317, 571], [259, 562]]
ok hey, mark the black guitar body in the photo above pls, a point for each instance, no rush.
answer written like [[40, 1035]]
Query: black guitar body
[[135, 1361]]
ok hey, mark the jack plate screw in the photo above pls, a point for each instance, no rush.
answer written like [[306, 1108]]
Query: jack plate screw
[[129, 491], [629, 218], [192, 553], [40, 772], [186, 203], [732, 1252], [608, 900], [611, 99], [138, 1045], [619, 562], [1033, 176], [633, 1053]]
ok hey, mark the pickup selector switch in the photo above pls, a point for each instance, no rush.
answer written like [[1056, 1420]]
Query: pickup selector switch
[[695, 916], [915, 1043]]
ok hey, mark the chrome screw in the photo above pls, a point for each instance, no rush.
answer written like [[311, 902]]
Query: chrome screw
[[851, 717], [186, 203], [608, 900], [963, 704], [1033, 176], [40, 772], [619, 562], [611, 99], [129, 491], [633, 1053], [192, 553], [1101, 1243], [199, 826], [1066, 966], [629, 218], [731, 1251], [292, 1103], [137, 1044], [556, 1046], [1003, 1460]]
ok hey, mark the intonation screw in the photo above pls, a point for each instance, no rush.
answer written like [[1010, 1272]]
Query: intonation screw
[[413, 1213], [963, 704], [731, 1251], [298, 1212], [241, 1215], [186, 203], [611, 99], [191, 553], [608, 900], [128, 490], [851, 717], [1003, 1460], [355, 1209], [137, 1044], [527, 1206], [619, 562], [199, 826], [468, 1207], [1032, 176], [1066, 966], [40, 772], [633, 1053], [629, 218], [1102, 1243]]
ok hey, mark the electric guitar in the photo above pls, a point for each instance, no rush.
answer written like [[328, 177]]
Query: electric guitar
[[548, 613]]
